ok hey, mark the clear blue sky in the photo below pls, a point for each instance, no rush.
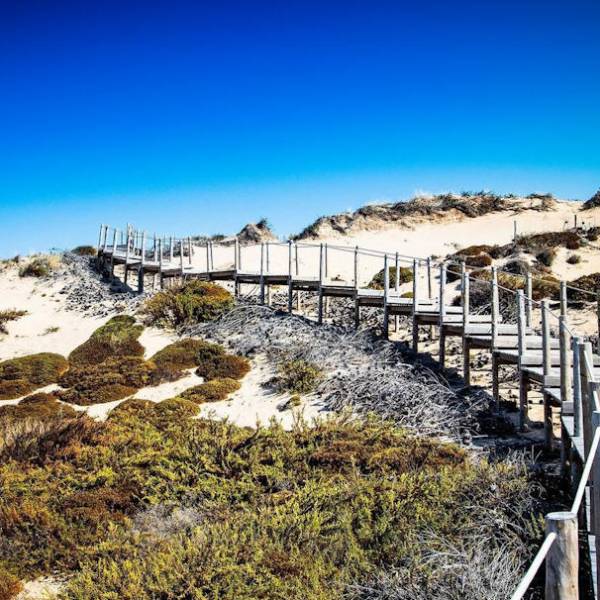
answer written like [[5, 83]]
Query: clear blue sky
[[197, 117]]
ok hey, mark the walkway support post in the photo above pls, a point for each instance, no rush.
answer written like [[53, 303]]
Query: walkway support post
[[112, 257], [189, 241], [546, 365], [466, 308], [320, 284], [142, 262], [127, 256], [442, 315], [415, 302], [386, 291], [577, 410], [290, 280], [562, 561], [262, 273], [522, 348], [494, 340], [160, 263], [181, 258], [529, 295]]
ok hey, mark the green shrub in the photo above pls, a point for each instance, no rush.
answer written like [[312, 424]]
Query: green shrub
[[84, 251], [211, 391], [184, 354], [19, 376], [298, 376], [574, 259], [117, 337], [193, 302], [590, 282], [227, 366], [475, 250], [174, 409], [9, 315], [132, 408], [377, 283]]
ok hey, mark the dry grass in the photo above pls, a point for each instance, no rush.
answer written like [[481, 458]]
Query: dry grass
[[6, 316]]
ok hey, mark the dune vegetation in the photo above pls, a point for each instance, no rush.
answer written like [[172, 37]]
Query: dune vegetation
[[6, 316], [377, 283], [20, 376], [150, 501]]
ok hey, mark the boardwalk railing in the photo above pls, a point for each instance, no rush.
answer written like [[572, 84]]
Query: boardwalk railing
[[518, 331]]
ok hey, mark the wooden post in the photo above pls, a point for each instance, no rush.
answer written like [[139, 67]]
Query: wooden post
[[296, 259], [320, 283], [566, 372], [212, 257], [189, 241], [563, 298], [268, 269], [442, 315], [386, 291], [290, 280], [594, 525], [112, 258], [577, 409], [160, 263], [142, 262], [356, 267], [586, 400], [465, 291], [262, 273], [495, 308], [235, 254], [181, 257], [415, 322], [529, 296], [127, 256], [99, 244], [598, 319], [546, 363], [515, 231], [397, 288], [171, 249], [207, 257], [429, 278], [522, 348], [562, 561], [326, 258]]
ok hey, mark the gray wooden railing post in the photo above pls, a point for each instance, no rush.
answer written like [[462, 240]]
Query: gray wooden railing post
[[236, 243], [268, 269], [563, 298], [577, 410], [442, 314], [189, 242], [207, 257], [562, 561], [522, 348], [99, 245], [397, 288], [529, 295], [290, 279], [415, 301], [160, 263], [142, 262], [127, 246], [262, 273], [171, 249], [594, 526], [356, 267], [466, 309], [429, 279], [386, 291], [598, 319], [326, 260], [495, 312], [181, 258], [321, 283], [296, 259], [546, 365], [356, 285]]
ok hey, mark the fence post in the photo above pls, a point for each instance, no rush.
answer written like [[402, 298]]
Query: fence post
[[562, 561], [522, 342], [189, 241], [321, 252], [546, 363], [160, 263], [429, 281], [262, 273], [127, 255], [142, 261], [577, 410], [495, 308], [598, 319], [356, 267]]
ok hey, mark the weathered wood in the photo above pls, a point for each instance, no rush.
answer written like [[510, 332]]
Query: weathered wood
[[386, 291], [562, 561], [356, 267], [290, 279], [442, 313], [415, 322], [190, 252], [161, 278], [127, 255], [262, 273], [495, 308], [236, 245], [523, 400], [529, 297], [142, 261], [429, 278], [546, 365], [495, 381], [577, 410]]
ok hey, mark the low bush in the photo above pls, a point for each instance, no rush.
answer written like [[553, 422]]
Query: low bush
[[226, 366], [297, 376], [38, 406], [36, 267], [574, 259], [117, 337], [546, 256], [590, 283], [173, 410], [10, 586], [20, 376], [184, 354], [193, 302], [211, 391], [6, 316], [113, 379], [84, 251], [377, 283], [478, 261]]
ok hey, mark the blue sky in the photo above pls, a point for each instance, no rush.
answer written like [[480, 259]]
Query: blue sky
[[192, 118]]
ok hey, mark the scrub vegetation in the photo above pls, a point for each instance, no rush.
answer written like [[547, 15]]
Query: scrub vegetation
[[193, 302], [6, 316], [377, 283], [150, 501], [20, 376]]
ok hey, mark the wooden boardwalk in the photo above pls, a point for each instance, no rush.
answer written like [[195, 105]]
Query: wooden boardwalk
[[531, 338]]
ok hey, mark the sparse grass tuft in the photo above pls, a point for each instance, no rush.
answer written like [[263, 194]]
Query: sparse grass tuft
[[10, 586], [546, 256], [298, 376], [39, 266], [193, 302], [9, 315], [20, 376]]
